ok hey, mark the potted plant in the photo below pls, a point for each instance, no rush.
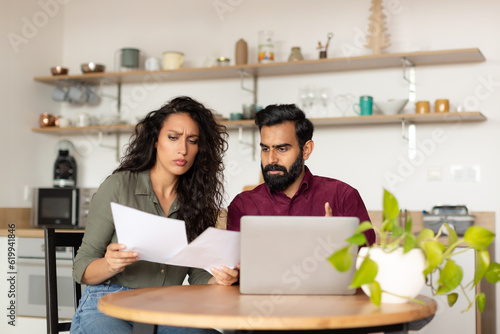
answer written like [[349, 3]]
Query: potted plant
[[440, 271]]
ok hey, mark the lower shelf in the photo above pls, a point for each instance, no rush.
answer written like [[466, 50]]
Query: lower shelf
[[450, 117]]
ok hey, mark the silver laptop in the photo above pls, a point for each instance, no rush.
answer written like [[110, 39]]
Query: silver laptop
[[289, 255]]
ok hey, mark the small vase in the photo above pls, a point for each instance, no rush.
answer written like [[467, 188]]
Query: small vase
[[241, 52], [398, 273], [296, 54]]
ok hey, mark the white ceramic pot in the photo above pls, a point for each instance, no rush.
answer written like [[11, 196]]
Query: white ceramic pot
[[398, 273]]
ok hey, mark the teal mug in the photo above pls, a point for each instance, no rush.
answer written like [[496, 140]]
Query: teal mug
[[365, 106]]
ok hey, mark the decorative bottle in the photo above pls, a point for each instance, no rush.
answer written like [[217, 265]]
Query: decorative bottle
[[241, 52]]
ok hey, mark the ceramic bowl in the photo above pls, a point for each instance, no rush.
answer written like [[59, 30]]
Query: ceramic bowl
[[391, 107], [92, 68], [58, 70]]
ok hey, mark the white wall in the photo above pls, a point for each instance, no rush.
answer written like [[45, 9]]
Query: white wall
[[37, 41], [81, 31]]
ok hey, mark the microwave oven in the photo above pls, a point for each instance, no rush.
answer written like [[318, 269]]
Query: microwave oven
[[61, 207]]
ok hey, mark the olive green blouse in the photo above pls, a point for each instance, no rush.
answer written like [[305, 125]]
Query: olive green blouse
[[133, 190]]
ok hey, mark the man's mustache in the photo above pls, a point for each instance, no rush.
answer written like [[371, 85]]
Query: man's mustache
[[280, 168]]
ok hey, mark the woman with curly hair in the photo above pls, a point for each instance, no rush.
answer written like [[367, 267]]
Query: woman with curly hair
[[173, 167]]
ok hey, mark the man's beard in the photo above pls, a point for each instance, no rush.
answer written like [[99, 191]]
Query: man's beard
[[279, 182]]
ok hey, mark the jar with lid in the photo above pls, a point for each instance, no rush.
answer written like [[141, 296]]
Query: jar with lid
[[266, 47], [296, 54], [222, 61]]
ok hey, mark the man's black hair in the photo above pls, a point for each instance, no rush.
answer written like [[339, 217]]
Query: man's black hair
[[275, 114]]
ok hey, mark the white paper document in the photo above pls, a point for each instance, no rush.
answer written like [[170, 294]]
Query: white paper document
[[164, 240], [155, 238], [212, 248]]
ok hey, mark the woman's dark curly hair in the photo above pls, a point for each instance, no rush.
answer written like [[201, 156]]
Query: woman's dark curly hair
[[200, 191]]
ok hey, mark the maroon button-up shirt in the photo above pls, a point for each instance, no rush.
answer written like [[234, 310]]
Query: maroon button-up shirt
[[310, 199]]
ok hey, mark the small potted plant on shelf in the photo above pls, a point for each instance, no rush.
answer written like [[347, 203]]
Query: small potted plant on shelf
[[384, 276]]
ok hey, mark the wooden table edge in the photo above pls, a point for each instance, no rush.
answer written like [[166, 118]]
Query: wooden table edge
[[261, 322]]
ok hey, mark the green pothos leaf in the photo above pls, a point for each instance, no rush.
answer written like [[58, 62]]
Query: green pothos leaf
[[375, 293], [493, 273], [357, 239], [342, 259], [452, 235], [425, 235], [397, 231], [364, 226], [409, 242], [478, 237], [450, 277], [365, 274], [481, 301], [390, 206], [452, 298], [388, 225], [483, 262], [433, 254]]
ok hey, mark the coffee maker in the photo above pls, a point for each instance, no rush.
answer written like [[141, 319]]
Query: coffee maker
[[65, 167]]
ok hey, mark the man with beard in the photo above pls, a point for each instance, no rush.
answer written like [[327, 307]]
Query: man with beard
[[290, 189]]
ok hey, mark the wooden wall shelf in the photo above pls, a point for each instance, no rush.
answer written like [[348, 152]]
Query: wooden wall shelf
[[407, 61], [452, 117], [281, 68], [73, 130]]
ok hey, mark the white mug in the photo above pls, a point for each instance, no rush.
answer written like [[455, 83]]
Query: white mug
[[172, 60], [152, 64], [77, 94], [63, 122], [92, 97], [60, 94], [83, 119]]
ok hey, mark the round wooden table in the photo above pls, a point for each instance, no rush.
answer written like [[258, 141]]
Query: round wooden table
[[214, 306]]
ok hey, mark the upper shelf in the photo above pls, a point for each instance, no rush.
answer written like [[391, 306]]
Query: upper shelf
[[282, 68], [451, 117]]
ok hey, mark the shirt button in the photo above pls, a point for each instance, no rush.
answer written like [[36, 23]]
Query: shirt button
[[162, 271]]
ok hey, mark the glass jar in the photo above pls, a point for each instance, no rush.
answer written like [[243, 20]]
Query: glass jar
[[296, 54], [266, 47]]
